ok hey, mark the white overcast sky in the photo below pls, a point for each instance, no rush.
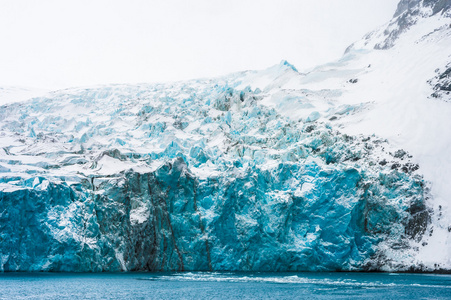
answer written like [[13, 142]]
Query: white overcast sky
[[56, 44]]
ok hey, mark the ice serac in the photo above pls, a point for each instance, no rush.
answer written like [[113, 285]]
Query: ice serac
[[271, 170], [197, 176]]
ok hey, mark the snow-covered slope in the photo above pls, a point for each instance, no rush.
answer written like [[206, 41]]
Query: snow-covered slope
[[342, 168], [405, 88], [9, 94]]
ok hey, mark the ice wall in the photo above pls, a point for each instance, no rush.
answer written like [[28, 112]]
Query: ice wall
[[200, 176]]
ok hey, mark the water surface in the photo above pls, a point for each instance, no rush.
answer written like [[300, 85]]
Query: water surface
[[224, 285]]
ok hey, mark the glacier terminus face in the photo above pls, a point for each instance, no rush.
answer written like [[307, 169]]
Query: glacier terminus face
[[198, 176]]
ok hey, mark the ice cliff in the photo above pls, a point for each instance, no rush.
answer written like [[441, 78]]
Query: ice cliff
[[271, 170]]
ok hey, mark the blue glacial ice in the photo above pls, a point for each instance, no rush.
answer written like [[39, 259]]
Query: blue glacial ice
[[198, 175]]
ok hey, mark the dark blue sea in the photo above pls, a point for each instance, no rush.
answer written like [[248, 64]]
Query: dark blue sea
[[224, 285]]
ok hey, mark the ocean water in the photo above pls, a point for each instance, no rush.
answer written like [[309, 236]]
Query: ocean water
[[224, 285]]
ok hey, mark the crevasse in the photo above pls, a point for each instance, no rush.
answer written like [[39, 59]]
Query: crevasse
[[198, 176]]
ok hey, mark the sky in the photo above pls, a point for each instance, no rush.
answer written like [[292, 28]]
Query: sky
[[54, 44]]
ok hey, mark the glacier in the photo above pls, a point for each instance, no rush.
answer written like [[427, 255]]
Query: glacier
[[272, 170], [197, 176]]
